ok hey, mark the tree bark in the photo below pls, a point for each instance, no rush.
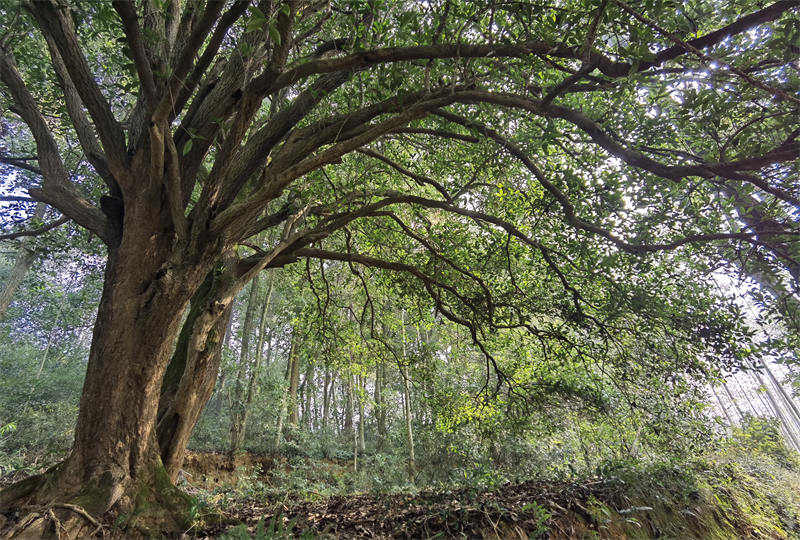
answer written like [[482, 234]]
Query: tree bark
[[115, 437], [192, 373], [115, 460]]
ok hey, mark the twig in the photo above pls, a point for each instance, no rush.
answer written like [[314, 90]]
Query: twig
[[35, 232], [80, 511], [56, 523]]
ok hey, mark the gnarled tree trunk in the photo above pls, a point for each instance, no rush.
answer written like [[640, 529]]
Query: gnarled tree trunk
[[115, 459], [189, 380]]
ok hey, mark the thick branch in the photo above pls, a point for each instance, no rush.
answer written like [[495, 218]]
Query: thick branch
[[732, 169], [83, 127], [54, 21], [130, 24], [57, 190], [184, 62]]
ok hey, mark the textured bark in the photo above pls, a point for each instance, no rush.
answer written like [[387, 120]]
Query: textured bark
[[192, 373], [115, 459], [115, 433]]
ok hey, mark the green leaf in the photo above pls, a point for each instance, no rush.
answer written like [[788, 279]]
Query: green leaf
[[274, 35]]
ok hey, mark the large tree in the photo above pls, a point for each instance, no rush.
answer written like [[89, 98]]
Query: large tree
[[629, 127]]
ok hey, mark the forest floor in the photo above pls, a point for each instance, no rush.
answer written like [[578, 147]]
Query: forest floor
[[726, 500], [736, 496]]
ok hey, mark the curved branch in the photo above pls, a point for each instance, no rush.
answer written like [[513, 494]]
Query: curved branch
[[130, 25], [732, 170], [57, 190], [35, 232], [56, 23]]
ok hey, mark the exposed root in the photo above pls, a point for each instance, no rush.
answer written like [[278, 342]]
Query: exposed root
[[80, 511], [23, 525], [19, 490], [56, 523], [42, 521], [49, 506]]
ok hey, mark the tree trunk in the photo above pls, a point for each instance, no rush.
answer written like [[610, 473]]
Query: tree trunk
[[22, 264], [380, 408], [351, 416], [262, 323], [286, 390], [326, 399], [761, 398], [192, 373], [793, 412], [361, 444], [294, 383], [412, 465], [779, 413], [733, 401], [307, 422], [115, 454], [743, 393], [723, 407], [348, 407], [334, 407], [115, 459], [238, 413]]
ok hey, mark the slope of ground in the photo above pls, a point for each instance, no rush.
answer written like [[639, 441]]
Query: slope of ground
[[732, 499], [740, 495]]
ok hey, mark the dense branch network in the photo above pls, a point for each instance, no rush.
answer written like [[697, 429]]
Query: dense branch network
[[241, 107]]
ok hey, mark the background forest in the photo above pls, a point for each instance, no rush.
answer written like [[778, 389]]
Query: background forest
[[485, 268]]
